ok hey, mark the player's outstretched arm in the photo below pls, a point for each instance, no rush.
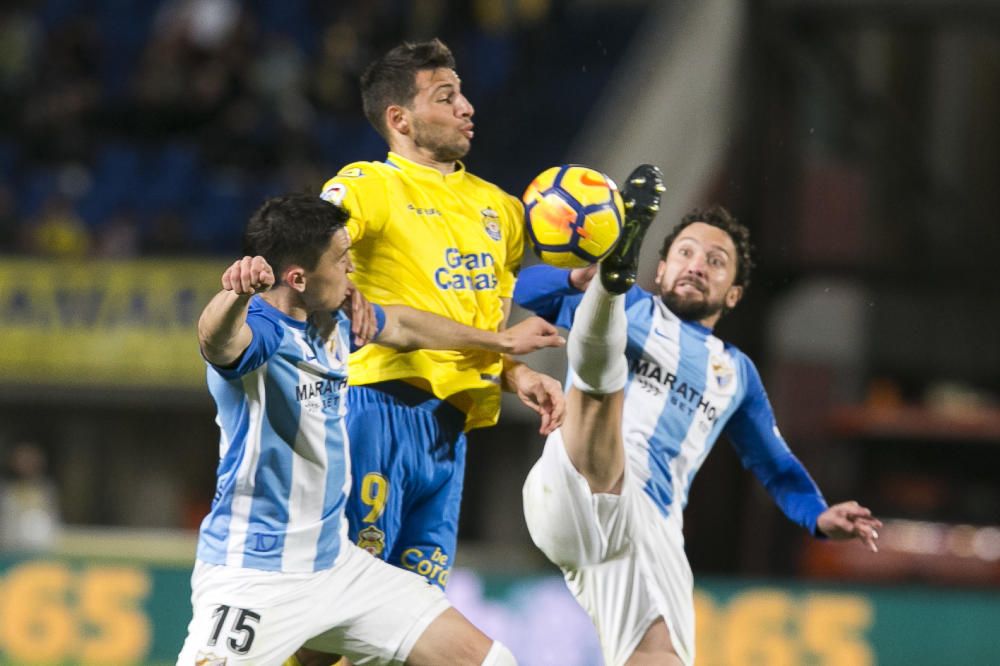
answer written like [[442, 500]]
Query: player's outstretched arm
[[408, 328], [222, 328], [850, 520], [539, 392], [527, 336]]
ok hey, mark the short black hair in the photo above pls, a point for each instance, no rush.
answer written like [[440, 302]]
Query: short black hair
[[718, 216], [292, 229], [392, 79]]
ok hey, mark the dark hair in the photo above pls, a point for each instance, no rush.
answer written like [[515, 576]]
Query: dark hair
[[717, 216], [392, 79], [292, 229]]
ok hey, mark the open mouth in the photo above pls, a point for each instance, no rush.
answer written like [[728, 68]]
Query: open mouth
[[689, 285]]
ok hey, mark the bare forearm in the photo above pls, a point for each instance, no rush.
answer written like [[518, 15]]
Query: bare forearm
[[509, 374], [222, 328], [407, 328]]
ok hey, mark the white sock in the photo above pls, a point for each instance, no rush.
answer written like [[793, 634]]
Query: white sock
[[597, 340], [499, 655]]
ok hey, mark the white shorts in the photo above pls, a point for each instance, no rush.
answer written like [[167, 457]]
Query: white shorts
[[622, 559], [362, 608]]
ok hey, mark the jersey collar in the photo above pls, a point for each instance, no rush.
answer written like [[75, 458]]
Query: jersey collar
[[422, 171], [277, 314]]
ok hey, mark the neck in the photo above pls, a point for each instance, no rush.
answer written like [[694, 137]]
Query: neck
[[711, 321], [423, 157], [288, 301]]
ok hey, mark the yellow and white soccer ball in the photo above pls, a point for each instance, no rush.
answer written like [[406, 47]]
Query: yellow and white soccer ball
[[573, 215]]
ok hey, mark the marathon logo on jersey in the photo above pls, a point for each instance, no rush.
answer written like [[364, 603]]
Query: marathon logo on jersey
[[208, 659], [491, 222], [334, 193], [474, 271], [372, 539], [320, 394], [433, 567], [682, 395], [353, 172]]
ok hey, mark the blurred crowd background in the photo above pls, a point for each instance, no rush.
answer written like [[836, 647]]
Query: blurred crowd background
[[857, 139], [152, 127]]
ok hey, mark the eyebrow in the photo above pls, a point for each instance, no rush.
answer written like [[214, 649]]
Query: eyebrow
[[713, 246]]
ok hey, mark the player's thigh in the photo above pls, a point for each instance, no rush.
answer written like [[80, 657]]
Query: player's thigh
[[655, 648], [617, 597], [382, 611], [428, 534], [403, 457], [573, 526], [659, 547], [244, 616], [450, 639], [592, 433], [374, 506]]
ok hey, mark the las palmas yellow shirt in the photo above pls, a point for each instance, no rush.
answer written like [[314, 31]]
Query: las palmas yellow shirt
[[448, 244]]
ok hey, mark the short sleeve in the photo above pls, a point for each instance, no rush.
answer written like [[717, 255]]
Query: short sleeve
[[267, 336], [359, 188]]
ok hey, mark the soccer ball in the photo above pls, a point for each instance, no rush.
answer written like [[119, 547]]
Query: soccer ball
[[573, 215]]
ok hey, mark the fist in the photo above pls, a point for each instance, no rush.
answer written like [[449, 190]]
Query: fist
[[249, 275]]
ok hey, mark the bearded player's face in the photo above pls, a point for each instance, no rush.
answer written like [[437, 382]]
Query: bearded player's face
[[441, 116], [696, 277]]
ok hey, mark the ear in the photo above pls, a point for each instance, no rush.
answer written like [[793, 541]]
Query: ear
[[295, 277], [661, 268], [397, 118], [733, 296]]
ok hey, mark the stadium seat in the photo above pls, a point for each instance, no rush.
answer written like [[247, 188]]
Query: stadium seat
[[170, 174], [218, 214], [115, 180]]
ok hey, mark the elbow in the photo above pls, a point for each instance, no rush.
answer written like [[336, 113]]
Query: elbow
[[204, 337]]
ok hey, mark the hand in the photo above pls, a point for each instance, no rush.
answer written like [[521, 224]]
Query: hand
[[249, 275], [364, 324], [850, 520], [541, 394], [580, 277], [531, 334]]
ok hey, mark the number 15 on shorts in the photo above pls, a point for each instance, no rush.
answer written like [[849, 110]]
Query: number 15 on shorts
[[241, 630]]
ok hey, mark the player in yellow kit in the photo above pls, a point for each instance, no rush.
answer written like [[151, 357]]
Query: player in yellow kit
[[428, 234]]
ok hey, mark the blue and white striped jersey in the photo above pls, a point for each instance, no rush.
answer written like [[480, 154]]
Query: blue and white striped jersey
[[284, 468], [685, 387]]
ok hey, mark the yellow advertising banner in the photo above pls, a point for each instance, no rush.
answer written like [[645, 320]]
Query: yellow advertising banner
[[104, 322]]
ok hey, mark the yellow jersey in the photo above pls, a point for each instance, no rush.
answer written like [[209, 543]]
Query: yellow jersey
[[448, 244]]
